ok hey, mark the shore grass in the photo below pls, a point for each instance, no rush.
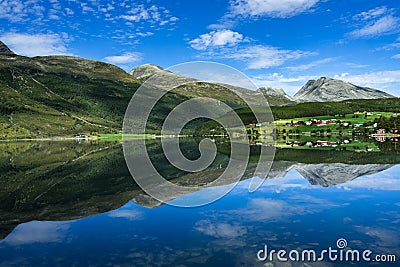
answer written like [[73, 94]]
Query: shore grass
[[120, 136]]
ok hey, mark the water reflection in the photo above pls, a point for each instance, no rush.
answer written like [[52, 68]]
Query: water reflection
[[63, 204], [285, 213]]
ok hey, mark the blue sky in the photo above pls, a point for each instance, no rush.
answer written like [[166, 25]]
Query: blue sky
[[278, 43]]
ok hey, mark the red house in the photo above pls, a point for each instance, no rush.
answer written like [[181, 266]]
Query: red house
[[381, 131], [322, 143]]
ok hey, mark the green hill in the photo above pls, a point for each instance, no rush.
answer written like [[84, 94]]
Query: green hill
[[60, 96]]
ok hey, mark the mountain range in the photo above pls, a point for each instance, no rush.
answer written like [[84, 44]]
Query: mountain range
[[323, 89], [332, 90], [63, 95]]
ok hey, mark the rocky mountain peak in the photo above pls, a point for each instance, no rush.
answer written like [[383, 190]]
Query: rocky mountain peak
[[145, 71], [276, 96], [326, 89], [272, 91], [4, 50]]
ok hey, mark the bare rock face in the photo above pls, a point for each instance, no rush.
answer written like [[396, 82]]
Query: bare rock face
[[276, 96], [331, 90], [145, 71], [273, 91], [4, 50], [164, 78], [326, 174], [338, 173]]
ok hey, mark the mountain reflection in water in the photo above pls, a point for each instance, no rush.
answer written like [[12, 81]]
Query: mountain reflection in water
[[62, 181]]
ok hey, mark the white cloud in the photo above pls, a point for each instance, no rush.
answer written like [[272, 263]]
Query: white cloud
[[371, 14], [126, 58], [310, 65], [356, 66], [144, 17], [144, 34], [266, 209], [376, 22], [374, 182], [152, 15], [342, 75], [69, 11], [38, 232], [131, 215], [86, 8], [35, 44], [270, 8], [392, 46], [228, 44], [263, 57], [17, 10], [220, 230], [135, 18], [276, 80], [383, 80], [216, 38], [396, 56], [385, 25], [384, 237], [380, 77]]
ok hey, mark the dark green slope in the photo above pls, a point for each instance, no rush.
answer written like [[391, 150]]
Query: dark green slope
[[60, 96], [60, 181]]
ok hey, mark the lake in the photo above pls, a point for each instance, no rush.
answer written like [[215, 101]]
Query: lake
[[64, 204]]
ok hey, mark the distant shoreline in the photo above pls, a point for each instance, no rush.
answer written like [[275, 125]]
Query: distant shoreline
[[386, 135], [102, 137]]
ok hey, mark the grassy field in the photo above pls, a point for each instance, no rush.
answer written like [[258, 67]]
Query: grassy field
[[334, 128], [348, 118], [120, 136]]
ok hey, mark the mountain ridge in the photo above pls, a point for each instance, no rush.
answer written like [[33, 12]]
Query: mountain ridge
[[323, 89], [192, 87], [276, 96], [4, 50], [326, 89], [145, 71]]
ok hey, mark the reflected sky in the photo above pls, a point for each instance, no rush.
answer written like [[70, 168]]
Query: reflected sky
[[285, 213]]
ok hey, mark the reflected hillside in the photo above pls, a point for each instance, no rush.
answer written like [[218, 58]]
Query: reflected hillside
[[65, 181], [60, 181]]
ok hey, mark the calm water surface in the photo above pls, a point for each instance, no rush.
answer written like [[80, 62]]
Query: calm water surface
[[64, 204]]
